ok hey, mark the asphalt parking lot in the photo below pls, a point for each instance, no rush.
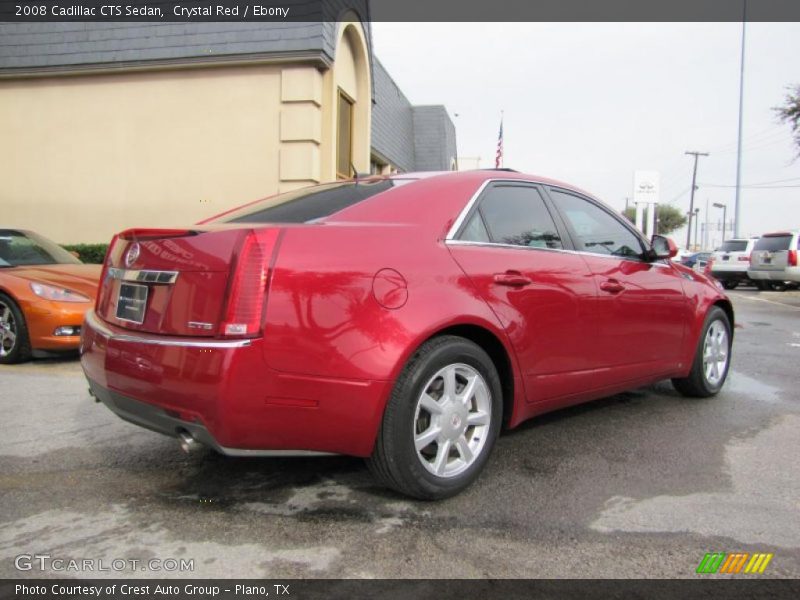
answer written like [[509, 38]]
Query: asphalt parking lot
[[641, 484]]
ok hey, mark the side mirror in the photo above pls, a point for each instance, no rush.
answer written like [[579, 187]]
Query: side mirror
[[663, 247]]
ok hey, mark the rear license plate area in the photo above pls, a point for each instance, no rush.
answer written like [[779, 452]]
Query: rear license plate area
[[132, 302]]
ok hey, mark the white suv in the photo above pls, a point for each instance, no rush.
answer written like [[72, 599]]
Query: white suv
[[774, 260], [731, 261]]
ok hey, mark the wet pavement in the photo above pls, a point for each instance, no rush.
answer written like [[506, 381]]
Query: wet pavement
[[641, 484]]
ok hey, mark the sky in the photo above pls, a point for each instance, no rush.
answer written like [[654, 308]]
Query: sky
[[590, 103]]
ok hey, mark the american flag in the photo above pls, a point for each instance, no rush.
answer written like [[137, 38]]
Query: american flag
[[498, 159]]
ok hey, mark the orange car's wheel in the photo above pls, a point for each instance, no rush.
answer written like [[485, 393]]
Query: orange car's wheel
[[15, 345]]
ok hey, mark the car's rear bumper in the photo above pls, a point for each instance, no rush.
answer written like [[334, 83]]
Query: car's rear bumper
[[225, 396], [776, 275], [729, 275], [158, 419]]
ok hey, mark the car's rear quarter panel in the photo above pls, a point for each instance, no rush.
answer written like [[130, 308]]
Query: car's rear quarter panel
[[324, 319]]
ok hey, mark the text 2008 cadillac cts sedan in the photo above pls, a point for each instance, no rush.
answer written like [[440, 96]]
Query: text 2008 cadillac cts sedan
[[402, 319]]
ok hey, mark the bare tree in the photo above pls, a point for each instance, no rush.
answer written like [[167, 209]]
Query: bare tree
[[790, 113]]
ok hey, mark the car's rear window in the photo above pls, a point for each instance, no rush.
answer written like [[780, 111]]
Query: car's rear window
[[733, 246], [774, 243], [308, 204]]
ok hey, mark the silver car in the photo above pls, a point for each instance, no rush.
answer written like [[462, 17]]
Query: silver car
[[773, 262], [731, 261]]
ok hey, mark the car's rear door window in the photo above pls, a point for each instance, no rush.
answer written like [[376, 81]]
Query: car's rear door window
[[515, 215], [774, 243], [733, 246], [596, 230]]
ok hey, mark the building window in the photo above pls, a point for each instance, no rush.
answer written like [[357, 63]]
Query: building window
[[344, 142]]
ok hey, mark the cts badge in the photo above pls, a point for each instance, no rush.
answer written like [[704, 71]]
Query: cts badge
[[132, 255]]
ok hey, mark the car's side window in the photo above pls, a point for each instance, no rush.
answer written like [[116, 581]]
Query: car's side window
[[514, 215], [475, 230], [597, 231]]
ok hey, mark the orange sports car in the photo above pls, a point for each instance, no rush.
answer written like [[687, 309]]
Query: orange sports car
[[44, 293]]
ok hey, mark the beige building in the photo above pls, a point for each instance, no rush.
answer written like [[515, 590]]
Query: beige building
[[105, 126]]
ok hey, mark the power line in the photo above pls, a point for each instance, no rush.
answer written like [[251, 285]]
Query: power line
[[751, 187], [678, 196], [753, 184], [756, 138]]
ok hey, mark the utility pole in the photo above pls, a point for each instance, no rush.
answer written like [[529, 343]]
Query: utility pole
[[691, 198], [736, 227], [724, 208]]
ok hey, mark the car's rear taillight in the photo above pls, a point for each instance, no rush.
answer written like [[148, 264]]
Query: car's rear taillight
[[791, 258], [744, 258], [103, 273], [247, 293]]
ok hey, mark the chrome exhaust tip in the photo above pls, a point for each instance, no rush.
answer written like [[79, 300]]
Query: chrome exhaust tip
[[187, 442]]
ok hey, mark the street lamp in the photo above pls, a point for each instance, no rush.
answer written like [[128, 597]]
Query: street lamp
[[724, 208], [696, 227]]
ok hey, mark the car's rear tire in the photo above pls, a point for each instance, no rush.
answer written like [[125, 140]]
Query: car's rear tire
[[15, 345], [441, 421], [762, 285], [712, 358], [730, 284]]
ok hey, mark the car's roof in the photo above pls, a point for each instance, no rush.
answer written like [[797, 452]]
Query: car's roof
[[484, 174]]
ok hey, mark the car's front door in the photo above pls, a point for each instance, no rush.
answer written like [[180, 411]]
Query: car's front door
[[511, 250], [642, 311]]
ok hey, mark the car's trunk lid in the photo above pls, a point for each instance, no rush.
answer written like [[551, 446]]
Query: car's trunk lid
[[170, 282]]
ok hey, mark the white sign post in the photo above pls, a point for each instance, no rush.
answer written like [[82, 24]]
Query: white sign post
[[645, 194]]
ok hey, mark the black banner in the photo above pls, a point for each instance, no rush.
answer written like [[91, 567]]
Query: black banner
[[383, 589], [398, 10]]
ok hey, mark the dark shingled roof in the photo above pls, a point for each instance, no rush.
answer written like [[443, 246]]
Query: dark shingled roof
[[37, 46]]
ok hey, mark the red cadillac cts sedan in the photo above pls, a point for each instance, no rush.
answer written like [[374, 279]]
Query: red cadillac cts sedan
[[403, 319]]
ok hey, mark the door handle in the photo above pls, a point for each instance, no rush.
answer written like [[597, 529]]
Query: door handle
[[612, 286], [512, 279]]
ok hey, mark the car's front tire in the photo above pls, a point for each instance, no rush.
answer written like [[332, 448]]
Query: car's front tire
[[441, 421], [712, 358], [15, 345]]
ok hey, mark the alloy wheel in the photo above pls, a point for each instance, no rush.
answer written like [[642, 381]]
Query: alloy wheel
[[715, 353], [8, 330], [452, 420]]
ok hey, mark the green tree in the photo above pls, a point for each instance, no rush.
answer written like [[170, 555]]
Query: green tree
[[789, 113], [669, 218]]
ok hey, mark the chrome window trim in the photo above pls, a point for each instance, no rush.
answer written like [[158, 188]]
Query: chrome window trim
[[451, 234], [143, 275], [450, 238], [563, 250], [94, 322]]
